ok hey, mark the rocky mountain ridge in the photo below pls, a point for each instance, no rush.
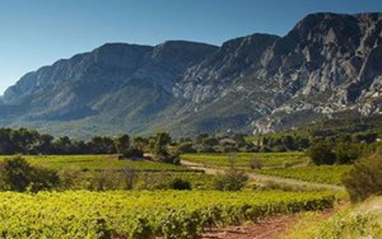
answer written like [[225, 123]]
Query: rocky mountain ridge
[[329, 65]]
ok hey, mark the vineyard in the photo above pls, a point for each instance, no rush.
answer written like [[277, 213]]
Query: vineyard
[[96, 162], [318, 174], [243, 159], [142, 215]]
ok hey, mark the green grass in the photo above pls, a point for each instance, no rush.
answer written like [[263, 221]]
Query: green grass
[[243, 159], [361, 221], [318, 174], [98, 162]]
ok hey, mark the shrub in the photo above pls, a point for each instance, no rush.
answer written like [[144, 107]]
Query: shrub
[[365, 179], [18, 175], [104, 180], [347, 153], [321, 153], [186, 148], [251, 149], [207, 149], [69, 177], [279, 148], [130, 176], [171, 158], [133, 153], [230, 149], [256, 163], [43, 179], [180, 184], [231, 180]]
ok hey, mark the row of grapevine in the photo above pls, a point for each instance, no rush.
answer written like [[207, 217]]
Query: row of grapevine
[[318, 174], [142, 214], [98, 162], [243, 159]]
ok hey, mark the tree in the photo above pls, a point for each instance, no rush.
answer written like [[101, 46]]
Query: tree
[[122, 143], [288, 142], [365, 179], [161, 152], [18, 175], [102, 145], [186, 147], [321, 153], [162, 140], [347, 153]]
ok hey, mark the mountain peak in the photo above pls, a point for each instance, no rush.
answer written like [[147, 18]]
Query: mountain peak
[[328, 64]]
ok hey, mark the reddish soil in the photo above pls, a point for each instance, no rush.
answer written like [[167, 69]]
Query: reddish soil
[[271, 228]]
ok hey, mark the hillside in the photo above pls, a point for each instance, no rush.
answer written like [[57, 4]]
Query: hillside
[[327, 66]]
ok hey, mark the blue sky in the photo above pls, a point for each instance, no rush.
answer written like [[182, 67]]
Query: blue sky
[[38, 32]]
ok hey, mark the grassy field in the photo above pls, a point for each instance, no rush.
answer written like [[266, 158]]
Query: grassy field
[[360, 221], [318, 174], [243, 159], [142, 214], [98, 162]]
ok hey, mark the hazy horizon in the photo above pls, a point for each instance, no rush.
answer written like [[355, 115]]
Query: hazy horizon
[[39, 33]]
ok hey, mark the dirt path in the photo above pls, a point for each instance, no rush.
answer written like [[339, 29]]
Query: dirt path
[[271, 228], [261, 178]]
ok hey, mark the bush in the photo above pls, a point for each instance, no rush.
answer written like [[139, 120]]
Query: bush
[[279, 148], [207, 149], [180, 184], [18, 175], [104, 181], [256, 163], [43, 179], [230, 149], [321, 153], [133, 153], [230, 180], [365, 179], [186, 148], [130, 176], [347, 153], [171, 158], [69, 177]]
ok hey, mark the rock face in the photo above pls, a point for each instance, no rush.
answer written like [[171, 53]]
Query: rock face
[[328, 65]]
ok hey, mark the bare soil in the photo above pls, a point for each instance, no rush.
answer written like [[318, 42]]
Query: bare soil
[[271, 228]]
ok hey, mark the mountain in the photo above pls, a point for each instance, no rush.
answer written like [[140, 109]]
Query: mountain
[[328, 66]]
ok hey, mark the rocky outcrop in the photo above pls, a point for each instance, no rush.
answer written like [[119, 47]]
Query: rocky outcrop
[[329, 65]]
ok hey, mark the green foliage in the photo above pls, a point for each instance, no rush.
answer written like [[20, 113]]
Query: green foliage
[[231, 180], [186, 148], [136, 214], [98, 162], [18, 175], [321, 153], [162, 153], [180, 184], [360, 221], [365, 179], [347, 153], [244, 159], [133, 153], [122, 144], [318, 174]]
